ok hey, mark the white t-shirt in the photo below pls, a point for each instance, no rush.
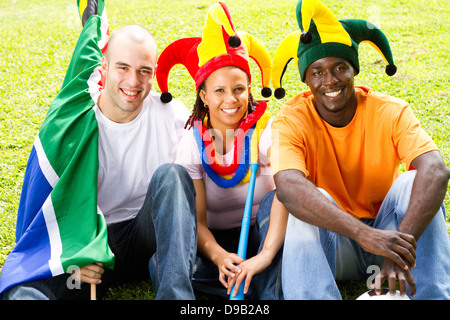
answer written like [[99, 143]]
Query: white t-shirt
[[225, 207], [129, 154]]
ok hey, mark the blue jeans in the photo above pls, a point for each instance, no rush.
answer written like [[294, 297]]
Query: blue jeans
[[265, 285], [161, 242], [314, 258]]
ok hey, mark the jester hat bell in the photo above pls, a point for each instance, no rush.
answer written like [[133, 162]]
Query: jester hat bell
[[220, 46], [322, 35]]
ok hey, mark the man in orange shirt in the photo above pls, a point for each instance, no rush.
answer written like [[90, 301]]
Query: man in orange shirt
[[335, 157]]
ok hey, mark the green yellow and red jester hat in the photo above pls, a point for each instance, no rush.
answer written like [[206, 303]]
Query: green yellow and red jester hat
[[220, 45], [322, 35]]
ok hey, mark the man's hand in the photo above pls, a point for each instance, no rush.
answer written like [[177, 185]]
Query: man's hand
[[393, 274], [397, 246], [92, 273], [399, 249]]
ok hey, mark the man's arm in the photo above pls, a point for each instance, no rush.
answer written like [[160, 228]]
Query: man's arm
[[428, 192], [302, 199]]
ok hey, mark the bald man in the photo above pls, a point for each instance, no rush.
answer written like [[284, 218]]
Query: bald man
[[148, 202]]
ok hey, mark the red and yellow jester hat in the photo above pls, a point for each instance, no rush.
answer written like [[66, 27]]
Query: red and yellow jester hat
[[219, 46]]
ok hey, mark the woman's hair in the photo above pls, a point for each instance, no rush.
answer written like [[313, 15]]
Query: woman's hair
[[200, 111]]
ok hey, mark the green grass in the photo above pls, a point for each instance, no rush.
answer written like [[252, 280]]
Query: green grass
[[143, 290], [37, 39]]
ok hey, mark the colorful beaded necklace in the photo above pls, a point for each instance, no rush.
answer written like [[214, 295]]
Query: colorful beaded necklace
[[245, 148]]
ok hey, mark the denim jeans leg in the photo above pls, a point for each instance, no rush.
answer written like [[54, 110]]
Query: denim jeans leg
[[431, 273], [306, 272], [312, 260], [61, 287], [171, 201], [34, 290], [267, 284], [133, 242]]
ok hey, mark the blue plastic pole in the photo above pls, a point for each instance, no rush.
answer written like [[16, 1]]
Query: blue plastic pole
[[245, 227]]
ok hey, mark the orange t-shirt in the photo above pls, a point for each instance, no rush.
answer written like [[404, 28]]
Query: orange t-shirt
[[355, 164]]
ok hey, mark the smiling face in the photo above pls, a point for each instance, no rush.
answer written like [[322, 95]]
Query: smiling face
[[226, 94], [331, 82], [130, 71]]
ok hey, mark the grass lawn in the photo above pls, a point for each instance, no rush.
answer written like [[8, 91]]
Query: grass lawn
[[37, 39]]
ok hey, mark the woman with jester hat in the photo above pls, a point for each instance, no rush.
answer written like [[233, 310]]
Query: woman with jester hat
[[227, 130]]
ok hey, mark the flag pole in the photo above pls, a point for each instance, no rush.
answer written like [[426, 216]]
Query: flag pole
[[93, 291], [245, 226]]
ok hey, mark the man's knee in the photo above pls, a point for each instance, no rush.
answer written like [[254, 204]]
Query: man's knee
[[170, 170], [172, 176], [400, 192], [405, 180]]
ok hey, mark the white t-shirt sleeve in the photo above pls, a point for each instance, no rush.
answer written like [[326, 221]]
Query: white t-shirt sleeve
[[180, 116], [188, 155]]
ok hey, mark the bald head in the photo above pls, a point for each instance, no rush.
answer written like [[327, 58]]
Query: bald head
[[134, 33]]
